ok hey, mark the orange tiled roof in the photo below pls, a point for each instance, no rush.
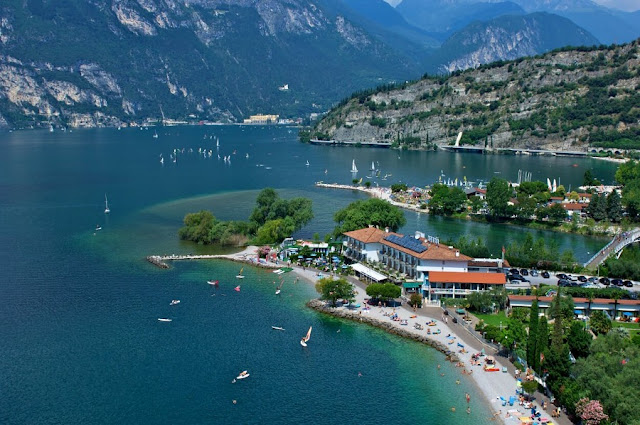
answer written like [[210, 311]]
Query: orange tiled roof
[[368, 234], [572, 206], [467, 277], [529, 298], [433, 252]]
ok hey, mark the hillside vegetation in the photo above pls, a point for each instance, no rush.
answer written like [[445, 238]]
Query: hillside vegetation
[[569, 99]]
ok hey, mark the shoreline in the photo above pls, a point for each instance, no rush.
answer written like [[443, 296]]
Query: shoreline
[[489, 385], [385, 193]]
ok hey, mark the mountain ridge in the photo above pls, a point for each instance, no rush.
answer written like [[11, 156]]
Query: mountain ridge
[[563, 100]]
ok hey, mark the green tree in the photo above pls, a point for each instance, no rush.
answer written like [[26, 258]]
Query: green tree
[[480, 302], [579, 340], [542, 345], [557, 213], [333, 290], [415, 300], [446, 200], [597, 208], [372, 211], [399, 187], [628, 172], [533, 351], [631, 198], [614, 207], [599, 322], [197, 227], [526, 207], [498, 195], [476, 203]]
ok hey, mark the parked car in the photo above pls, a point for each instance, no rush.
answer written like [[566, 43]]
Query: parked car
[[593, 279], [524, 272], [628, 283], [545, 274], [514, 271], [534, 273], [562, 276], [517, 277], [617, 282], [605, 281], [564, 283], [582, 278], [573, 278]]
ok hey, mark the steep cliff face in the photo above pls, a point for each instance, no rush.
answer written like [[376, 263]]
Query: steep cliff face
[[566, 100], [508, 38], [101, 62]]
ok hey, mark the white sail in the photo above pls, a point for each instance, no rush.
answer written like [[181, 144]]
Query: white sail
[[555, 187], [373, 166], [549, 184], [106, 205], [354, 169]]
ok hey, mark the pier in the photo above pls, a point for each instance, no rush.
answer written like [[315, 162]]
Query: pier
[[246, 256], [344, 143], [515, 151], [383, 193]]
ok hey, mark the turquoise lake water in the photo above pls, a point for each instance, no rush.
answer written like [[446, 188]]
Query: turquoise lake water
[[81, 342]]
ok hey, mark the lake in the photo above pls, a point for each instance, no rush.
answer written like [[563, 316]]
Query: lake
[[81, 339]]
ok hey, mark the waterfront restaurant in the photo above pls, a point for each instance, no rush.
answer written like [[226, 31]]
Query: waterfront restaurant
[[439, 285]]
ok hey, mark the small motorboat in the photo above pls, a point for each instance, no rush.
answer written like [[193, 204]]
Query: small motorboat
[[244, 374], [277, 328], [213, 282], [98, 227], [163, 320], [174, 302]]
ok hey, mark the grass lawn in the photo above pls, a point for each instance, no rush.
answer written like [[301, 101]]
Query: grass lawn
[[629, 326], [493, 319]]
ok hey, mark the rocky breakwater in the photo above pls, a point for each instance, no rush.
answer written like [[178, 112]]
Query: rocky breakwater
[[387, 326]]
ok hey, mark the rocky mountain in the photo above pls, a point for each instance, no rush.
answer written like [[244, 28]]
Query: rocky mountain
[[443, 17], [508, 37], [565, 100], [100, 62]]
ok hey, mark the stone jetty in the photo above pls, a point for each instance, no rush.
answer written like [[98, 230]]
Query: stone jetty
[[354, 315], [241, 257]]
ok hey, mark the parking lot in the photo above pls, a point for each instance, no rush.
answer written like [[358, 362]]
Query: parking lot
[[553, 280]]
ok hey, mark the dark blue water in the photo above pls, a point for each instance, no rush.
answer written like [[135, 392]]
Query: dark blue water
[[80, 338]]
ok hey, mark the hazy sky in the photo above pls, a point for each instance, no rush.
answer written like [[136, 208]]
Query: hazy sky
[[628, 5]]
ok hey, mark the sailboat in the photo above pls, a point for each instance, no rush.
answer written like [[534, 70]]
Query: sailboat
[[306, 338], [155, 134], [307, 162], [279, 287], [239, 276], [354, 169], [217, 142], [106, 205], [237, 288], [373, 166]]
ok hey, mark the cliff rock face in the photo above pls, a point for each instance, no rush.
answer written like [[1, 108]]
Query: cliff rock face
[[100, 62], [508, 38], [564, 100]]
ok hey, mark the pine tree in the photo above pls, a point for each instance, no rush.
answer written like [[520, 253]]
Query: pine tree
[[598, 207], [614, 207], [532, 340], [543, 341]]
